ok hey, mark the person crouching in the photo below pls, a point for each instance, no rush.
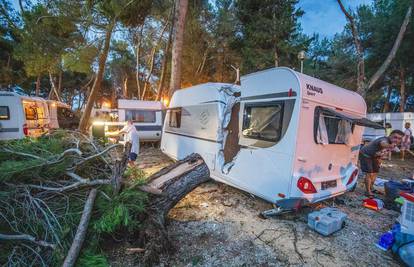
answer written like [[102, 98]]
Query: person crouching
[[370, 157]]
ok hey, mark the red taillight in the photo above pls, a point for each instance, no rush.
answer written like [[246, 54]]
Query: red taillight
[[306, 186], [352, 177], [290, 92], [25, 129]]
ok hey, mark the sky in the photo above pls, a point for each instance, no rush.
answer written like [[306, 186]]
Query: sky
[[325, 16], [321, 16]]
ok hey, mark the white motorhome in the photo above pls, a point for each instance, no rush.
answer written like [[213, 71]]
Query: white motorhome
[[396, 119], [61, 115], [147, 117], [283, 136], [22, 116]]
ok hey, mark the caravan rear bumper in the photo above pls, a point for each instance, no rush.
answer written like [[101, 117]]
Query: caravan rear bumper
[[295, 203]]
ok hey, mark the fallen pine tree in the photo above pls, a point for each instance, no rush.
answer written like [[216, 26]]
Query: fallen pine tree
[[61, 194]]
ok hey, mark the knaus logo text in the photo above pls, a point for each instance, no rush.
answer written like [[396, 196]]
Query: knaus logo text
[[312, 90]]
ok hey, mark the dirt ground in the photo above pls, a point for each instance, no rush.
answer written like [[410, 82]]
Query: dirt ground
[[217, 225]]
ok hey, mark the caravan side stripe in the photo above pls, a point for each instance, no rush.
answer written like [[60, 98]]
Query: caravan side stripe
[[191, 136], [275, 95], [9, 130], [148, 127]]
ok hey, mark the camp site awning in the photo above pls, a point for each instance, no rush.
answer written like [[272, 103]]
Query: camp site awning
[[361, 121]]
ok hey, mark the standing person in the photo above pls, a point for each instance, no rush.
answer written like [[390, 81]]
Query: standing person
[[388, 130], [406, 141], [131, 136], [370, 156]]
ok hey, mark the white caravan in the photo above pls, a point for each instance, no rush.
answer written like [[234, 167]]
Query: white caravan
[[397, 120], [283, 136], [22, 116], [147, 117]]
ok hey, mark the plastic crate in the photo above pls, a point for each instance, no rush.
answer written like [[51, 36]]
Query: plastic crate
[[407, 214]]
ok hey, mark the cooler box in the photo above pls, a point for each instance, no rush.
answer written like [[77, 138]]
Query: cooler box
[[407, 214], [327, 220]]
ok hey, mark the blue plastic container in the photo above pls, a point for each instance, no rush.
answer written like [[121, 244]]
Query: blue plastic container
[[403, 246], [386, 241]]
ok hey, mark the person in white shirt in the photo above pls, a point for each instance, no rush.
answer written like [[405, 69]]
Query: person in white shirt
[[131, 136], [406, 141]]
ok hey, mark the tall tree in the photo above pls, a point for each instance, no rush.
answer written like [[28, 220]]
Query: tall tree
[[362, 84], [178, 39], [107, 14], [268, 32]]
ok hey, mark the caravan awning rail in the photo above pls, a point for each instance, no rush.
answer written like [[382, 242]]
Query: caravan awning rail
[[355, 120]]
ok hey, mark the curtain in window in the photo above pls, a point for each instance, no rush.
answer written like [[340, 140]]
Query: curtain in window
[[344, 132], [322, 133]]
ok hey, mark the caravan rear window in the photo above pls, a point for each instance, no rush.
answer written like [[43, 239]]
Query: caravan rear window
[[140, 115], [332, 129], [175, 118], [4, 113], [263, 121], [30, 112]]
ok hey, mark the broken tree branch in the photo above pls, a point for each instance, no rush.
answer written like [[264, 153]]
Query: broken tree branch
[[72, 186], [77, 243], [26, 237]]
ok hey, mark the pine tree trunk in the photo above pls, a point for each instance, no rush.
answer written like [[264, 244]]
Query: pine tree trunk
[[387, 100], [125, 87], [37, 85], [177, 49], [137, 56], [165, 61], [402, 88], [84, 121], [53, 89], [59, 88], [152, 61], [138, 49]]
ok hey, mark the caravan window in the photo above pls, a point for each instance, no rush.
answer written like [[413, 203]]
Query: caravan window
[[4, 113], [31, 113], [263, 121], [140, 115], [175, 118], [331, 129]]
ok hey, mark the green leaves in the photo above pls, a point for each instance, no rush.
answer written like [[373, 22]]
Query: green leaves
[[120, 212]]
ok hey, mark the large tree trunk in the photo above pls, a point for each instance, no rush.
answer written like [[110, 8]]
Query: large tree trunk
[[167, 188], [37, 92], [83, 124], [402, 88], [177, 49]]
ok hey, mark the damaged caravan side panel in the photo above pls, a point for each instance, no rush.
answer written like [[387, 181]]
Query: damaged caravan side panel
[[283, 136]]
